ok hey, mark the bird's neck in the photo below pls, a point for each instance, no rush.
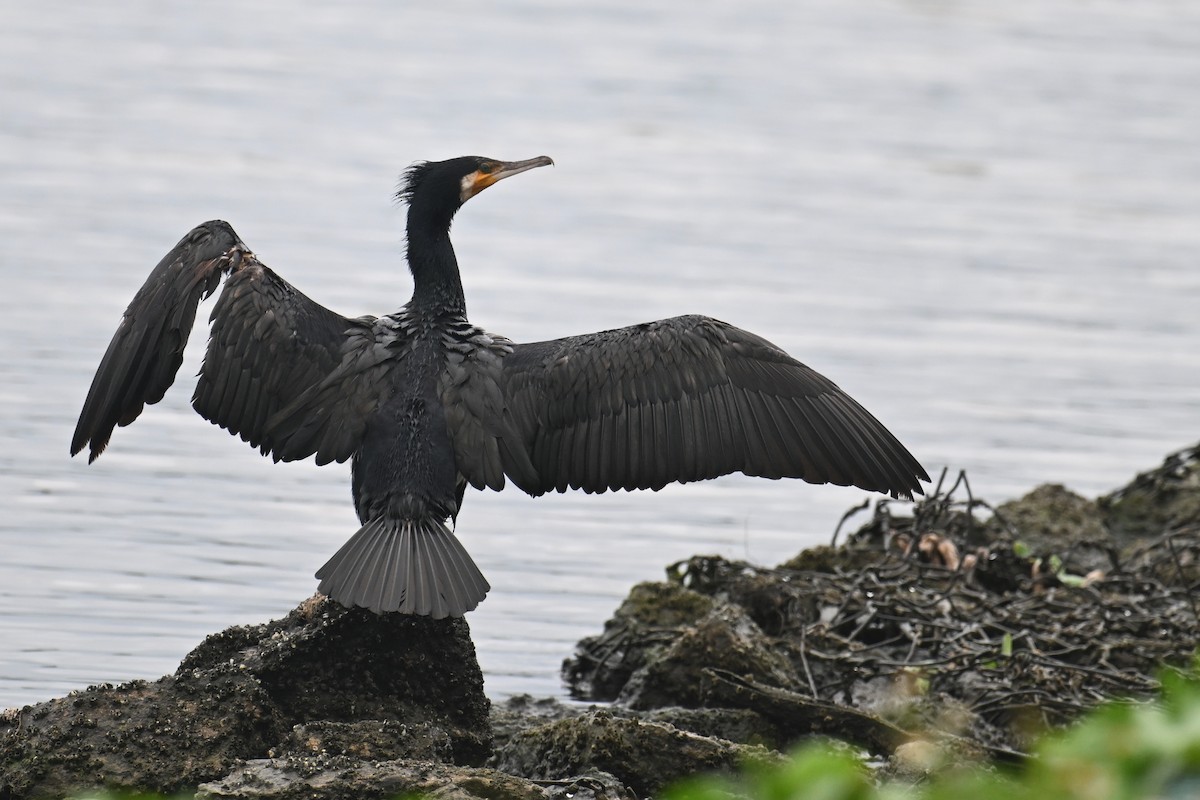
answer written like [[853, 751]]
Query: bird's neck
[[437, 286]]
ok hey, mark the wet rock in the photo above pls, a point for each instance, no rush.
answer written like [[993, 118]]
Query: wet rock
[[344, 778], [927, 639], [737, 725], [1052, 515], [824, 558], [637, 631], [373, 740], [163, 736], [645, 756], [326, 662], [1052, 520], [592, 785], [243, 691], [523, 711], [1157, 501], [725, 639], [800, 716], [772, 610], [1172, 559], [383, 759]]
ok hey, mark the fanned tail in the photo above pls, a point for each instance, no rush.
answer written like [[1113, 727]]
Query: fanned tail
[[410, 566]]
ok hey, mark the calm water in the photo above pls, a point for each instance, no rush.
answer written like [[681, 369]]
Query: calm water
[[979, 218]]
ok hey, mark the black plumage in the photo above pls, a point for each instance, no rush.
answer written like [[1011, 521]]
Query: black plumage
[[425, 403]]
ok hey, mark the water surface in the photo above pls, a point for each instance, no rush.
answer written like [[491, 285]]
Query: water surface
[[979, 219]]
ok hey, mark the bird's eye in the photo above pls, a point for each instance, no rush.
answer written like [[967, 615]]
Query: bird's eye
[[487, 167]]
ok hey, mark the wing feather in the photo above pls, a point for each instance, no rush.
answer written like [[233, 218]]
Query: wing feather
[[686, 399], [145, 352], [269, 348]]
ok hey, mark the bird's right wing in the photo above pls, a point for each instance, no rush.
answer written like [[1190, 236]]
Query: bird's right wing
[[686, 399], [271, 352]]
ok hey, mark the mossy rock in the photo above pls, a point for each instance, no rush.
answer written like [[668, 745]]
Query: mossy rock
[[727, 639], [1156, 501], [1053, 520], [646, 756], [639, 629], [824, 558]]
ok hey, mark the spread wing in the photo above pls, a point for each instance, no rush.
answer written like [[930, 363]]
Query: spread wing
[[270, 352], [686, 399]]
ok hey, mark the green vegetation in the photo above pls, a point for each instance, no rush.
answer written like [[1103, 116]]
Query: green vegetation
[[1121, 751]]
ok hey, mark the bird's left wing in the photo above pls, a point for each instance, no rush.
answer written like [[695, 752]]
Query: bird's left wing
[[270, 347], [686, 399]]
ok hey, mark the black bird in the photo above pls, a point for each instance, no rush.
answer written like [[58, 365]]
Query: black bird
[[424, 402]]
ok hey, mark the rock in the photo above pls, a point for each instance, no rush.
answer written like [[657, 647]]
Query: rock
[[1052, 520], [740, 726], [637, 631], [1172, 559], [243, 691], [799, 716], [383, 759], [646, 756], [1156, 501], [326, 662], [344, 778], [371, 740], [164, 736], [823, 558], [523, 711], [737, 725], [725, 639], [887, 643]]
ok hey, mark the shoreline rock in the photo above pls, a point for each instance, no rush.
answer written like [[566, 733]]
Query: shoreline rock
[[303, 682], [958, 629]]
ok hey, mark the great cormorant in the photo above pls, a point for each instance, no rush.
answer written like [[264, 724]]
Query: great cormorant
[[424, 403]]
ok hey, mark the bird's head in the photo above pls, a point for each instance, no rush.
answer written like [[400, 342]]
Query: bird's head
[[439, 188]]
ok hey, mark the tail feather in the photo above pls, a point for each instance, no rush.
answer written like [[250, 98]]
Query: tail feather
[[410, 566], [451, 562]]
